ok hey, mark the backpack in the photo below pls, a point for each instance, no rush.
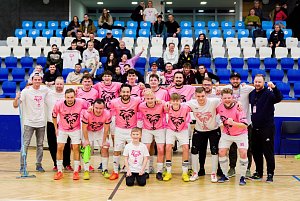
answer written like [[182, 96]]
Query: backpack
[[259, 33]]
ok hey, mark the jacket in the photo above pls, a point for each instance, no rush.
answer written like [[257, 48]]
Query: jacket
[[204, 50], [109, 45], [212, 76], [90, 28], [185, 59]]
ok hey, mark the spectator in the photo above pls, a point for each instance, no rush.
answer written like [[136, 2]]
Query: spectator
[[37, 69], [158, 28], [150, 13], [128, 68], [277, 14], [122, 50], [154, 70], [185, 57], [276, 39], [138, 13], [71, 56], [54, 56], [81, 44], [131, 62], [173, 28], [73, 27], [95, 41], [90, 57], [202, 73], [105, 20], [87, 26], [252, 21], [117, 76], [111, 62], [201, 48], [75, 76], [108, 44], [51, 75], [258, 10], [189, 75], [73, 46], [171, 55], [284, 8], [293, 20]]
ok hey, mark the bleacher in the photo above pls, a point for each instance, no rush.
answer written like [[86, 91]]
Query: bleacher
[[231, 49]]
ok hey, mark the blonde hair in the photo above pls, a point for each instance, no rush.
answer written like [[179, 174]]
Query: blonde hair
[[226, 91], [136, 129], [175, 96], [148, 92]]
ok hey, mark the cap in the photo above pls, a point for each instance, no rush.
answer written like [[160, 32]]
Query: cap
[[37, 74], [235, 74], [108, 32]]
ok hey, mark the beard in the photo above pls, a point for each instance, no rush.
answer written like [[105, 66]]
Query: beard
[[235, 85], [177, 84], [125, 98], [258, 88]]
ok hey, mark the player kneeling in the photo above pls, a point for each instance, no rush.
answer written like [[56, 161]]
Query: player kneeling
[[177, 129], [136, 157], [234, 129]]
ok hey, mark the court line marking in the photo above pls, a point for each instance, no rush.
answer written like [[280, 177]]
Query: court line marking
[[116, 188], [297, 178]]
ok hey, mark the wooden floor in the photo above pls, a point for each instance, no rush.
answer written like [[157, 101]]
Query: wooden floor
[[43, 187]]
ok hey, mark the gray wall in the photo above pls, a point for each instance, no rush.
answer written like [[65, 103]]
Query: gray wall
[[78, 9]]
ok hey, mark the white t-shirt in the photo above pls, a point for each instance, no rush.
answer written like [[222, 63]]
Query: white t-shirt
[[136, 154], [33, 106], [158, 73], [150, 14], [205, 116], [51, 98]]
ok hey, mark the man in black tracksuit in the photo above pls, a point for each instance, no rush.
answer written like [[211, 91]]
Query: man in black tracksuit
[[262, 102]]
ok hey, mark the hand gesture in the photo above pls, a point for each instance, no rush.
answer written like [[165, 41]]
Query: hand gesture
[[271, 85], [128, 173], [230, 121], [18, 95]]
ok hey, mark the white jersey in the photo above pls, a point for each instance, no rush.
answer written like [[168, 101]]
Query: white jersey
[[150, 14], [205, 116], [51, 98], [135, 154], [33, 106], [87, 55]]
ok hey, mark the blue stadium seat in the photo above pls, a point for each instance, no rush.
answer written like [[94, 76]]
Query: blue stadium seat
[[221, 62], [243, 73], [185, 24], [53, 25], [280, 22], [33, 33], [141, 70], [228, 33], [257, 71], [268, 32], [59, 33], [41, 61], [270, 63], [119, 23], [64, 24], [141, 63], [9, 89], [100, 71], [237, 63], [243, 33], [26, 62], [11, 62], [86, 69], [226, 25], [27, 25], [117, 33], [276, 75], [253, 63], [48, 33], [144, 33], [131, 33], [287, 63], [31, 71], [297, 90], [3, 74], [132, 25], [18, 74], [186, 33], [151, 60], [95, 23], [287, 33], [101, 33], [284, 89], [293, 75], [239, 25], [103, 60], [267, 25], [224, 75], [66, 72], [213, 25], [145, 25], [20, 33], [40, 25], [199, 31], [199, 25], [205, 61], [214, 33], [23, 85]]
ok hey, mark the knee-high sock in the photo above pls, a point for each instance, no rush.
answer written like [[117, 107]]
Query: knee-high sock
[[195, 163], [214, 162], [116, 161], [76, 165], [169, 166], [224, 165], [243, 166], [104, 163], [185, 166]]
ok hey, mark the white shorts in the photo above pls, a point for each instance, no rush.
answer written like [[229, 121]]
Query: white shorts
[[113, 125], [139, 124], [240, 140], [96, 137], [158, 135], [74, 135], [122, 136], [182, 137]]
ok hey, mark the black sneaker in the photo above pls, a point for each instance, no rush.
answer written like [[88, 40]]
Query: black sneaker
[[223, 179], [201, 172], [269, 178], [256, 177], [242, 181], [147, 175], [159, 176]]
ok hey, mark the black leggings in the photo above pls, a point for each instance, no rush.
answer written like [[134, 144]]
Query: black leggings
[[141, 179]]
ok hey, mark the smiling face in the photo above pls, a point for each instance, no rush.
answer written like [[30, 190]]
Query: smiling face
[[149, 98], [227, 99], [178, 79], [153, 82], [36, 81], [131, 78], [201, 69], [87, 83], [201, 97], [59, 85], [125, 93], [98, 108], [70, 98], [235, 82], [136, 136], [207, 85], [107, 79], [259, 83], [52, 69]]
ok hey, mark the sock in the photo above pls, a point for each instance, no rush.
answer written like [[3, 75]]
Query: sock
[[185, 166], [116, 160], [151, 159], [243, 166], [104, 163], [214, 160], [86, 166], [224, 165], [160, 167], [76, 165], [59, 165], [147, 169], [195, 158], [169, 166]]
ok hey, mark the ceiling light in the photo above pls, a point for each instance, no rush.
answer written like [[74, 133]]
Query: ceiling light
[[100, 2], [231, 11], [134, 2], [234, 2], [169, 2], [203, 2], [200, 11]]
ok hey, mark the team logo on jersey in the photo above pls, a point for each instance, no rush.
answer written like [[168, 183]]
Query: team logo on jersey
[[135, 154], [153, 119], [177, 121], [107, 97], [183, 98], [71, 119], [126, 115], [90, 100], [96, 126], [38, 100], [169, 80], [203, 117]]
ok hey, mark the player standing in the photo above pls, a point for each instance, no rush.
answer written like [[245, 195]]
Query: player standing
[[159, 92], [87, 92]]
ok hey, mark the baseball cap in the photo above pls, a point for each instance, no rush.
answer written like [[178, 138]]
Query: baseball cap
[[108, 32], [235, 74], [37, 74]]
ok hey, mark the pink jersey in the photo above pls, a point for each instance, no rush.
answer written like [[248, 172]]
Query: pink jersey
[[95, 123], [136, 91], [108, 92], [126, 113], [69, 116], [186, 92], [169, 77], [162, 94], [178, 120], [235, 115], [153, 118], [90, 96]]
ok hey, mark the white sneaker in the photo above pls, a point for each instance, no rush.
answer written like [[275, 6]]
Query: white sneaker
[[194, 176], [213, 178]]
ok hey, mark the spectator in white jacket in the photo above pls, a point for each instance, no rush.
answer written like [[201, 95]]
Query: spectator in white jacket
[[90, 57], [171, 55]]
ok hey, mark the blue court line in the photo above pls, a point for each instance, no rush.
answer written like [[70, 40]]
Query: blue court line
[[297, 178]]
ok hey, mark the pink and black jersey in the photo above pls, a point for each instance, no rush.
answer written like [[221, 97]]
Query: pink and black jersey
[[153, 117], [126, 113], [186, 92], [178, 120], [136, 91], [95, 123], [162, 94], [169, 77], [108, 92], [235, 115], [90, 96], [69, 116]]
